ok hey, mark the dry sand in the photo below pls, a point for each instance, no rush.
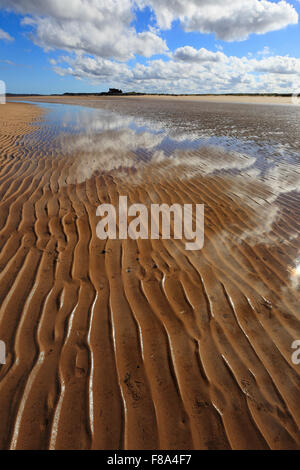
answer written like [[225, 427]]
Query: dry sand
[[247, 99], [141, 345], [225, 99]]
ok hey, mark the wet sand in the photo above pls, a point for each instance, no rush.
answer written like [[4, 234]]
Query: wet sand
[[125, 344], [16, 119]]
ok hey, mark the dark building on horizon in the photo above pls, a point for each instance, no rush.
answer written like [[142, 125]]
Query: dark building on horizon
[[115, 91]]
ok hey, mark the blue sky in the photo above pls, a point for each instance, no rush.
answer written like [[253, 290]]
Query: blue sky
[[188, 46]]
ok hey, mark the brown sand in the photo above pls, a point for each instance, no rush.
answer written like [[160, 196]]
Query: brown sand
[[140, 345], [225, 99], [16, 119], [248, 99]]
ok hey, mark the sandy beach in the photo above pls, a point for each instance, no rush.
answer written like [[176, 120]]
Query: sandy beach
[[250, 99], [140, 344]]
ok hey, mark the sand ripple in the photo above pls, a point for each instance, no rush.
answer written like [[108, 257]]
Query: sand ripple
[[141, 344]]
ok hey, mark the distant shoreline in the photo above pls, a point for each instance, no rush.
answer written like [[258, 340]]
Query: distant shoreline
[[228, 98]]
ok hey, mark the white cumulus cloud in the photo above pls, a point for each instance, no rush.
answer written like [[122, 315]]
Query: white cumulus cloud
[[229, 20], [5, 36], [190, 54], [87, 26]]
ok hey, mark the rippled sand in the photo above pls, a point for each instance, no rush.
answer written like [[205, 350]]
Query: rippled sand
[[141, 344]]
